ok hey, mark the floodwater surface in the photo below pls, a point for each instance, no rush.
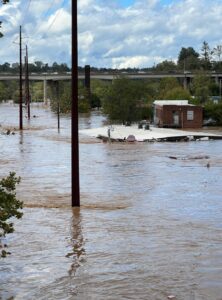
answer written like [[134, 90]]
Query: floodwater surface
[[149, 226]]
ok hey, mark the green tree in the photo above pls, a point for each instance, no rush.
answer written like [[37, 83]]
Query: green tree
[[3, 91], [217, 51], [98, 91], [65, 97], [166, 66], [39, 65], [206, 54], [95, 101], [201, 86], [83, 98], [166, 85], [5, 67], [213, 111], [9, 207], [178, 93], [123, 100], [36, 91], [188, 59]]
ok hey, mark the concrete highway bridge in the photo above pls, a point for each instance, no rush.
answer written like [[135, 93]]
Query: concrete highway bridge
[[53, 78], [107, 76]]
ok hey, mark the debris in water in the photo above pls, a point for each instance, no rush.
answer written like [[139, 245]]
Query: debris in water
[[171, 297], [131, 138], [199, 157]]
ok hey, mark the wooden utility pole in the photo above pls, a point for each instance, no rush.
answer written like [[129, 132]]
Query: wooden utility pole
[[27, 94], [87, 82], [20, 79], [74, 114], [58, 104]]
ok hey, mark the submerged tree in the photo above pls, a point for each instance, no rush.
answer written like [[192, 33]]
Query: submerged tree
[[123, 100], [9, 207]]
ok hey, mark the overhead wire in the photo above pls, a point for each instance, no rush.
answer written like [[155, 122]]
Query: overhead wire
[[46, 13], [25, 12], [22, 22], [50, 7], [58, 12], [56, 15]]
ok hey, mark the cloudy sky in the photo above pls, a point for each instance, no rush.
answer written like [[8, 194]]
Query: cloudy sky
[[111, 33]]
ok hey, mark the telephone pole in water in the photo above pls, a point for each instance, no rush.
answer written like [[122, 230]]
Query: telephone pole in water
[[27, 94], [20, 79], [74, 113]]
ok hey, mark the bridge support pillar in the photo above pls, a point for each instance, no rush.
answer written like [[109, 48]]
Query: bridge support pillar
[[185, 83], [217, 80], [87, 82], [45, 92]]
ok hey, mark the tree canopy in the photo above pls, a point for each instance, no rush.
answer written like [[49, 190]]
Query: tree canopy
[[188, 59], [201, 87], [123, 100]]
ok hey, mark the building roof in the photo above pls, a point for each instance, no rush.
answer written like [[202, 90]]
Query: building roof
[[171, 102]]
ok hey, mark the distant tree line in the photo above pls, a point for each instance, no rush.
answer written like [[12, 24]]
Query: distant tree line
[[36, 67], [188, 60]]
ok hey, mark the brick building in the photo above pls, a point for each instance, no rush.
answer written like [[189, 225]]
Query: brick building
[[177, 114]]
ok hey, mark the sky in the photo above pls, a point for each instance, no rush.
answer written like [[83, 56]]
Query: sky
[[111, 33]]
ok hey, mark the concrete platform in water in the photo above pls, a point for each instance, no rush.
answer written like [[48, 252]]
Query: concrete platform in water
[[121, 132]]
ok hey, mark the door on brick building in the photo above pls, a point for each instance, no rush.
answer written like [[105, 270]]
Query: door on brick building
[[176, 119]]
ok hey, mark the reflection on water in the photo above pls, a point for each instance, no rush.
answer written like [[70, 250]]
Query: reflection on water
[[77, 241], [148, 227]]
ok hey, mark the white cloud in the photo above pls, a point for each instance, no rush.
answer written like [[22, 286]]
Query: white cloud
[[126, 62], [111, 35], [59, 22]]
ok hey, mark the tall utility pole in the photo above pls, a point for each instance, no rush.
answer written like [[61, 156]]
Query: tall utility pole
[[220, 88], [87, 82], [74, 114], [58, 104], [27, 94], [20, 79]]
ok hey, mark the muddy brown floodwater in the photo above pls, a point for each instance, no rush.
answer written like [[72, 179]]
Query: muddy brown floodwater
[[149, 227]]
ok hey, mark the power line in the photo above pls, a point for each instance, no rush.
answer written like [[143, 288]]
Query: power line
[[26, 11], [54, 19], [50, 7], [56, 16]]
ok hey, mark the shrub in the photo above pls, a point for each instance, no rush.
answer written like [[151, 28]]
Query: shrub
[[9, 207]]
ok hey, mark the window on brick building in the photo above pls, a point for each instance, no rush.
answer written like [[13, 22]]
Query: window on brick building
[[190, 115]]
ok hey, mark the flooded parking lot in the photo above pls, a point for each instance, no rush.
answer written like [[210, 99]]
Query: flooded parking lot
[[149, 227]]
